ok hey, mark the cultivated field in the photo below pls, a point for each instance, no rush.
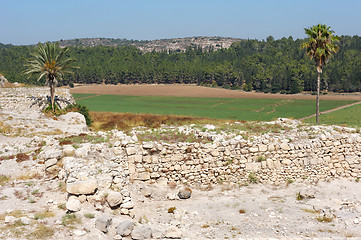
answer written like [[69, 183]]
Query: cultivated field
[[196, 91], [189, 100]]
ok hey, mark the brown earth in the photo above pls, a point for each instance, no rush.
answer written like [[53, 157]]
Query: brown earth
[[178, 90]]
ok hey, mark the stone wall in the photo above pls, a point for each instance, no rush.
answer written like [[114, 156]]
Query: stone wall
[[273, 162]]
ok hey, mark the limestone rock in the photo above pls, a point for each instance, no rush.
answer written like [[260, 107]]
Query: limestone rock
[[185, 193], [79, 232], [125, 228], [102, 223], [146, 191], [73, 204], [25, 220], [144, 176], [285, 146], [141, 232], [173, 232], [82, 187], [127, 205], [9, 220], [83, 151], [131, 150], [50, 162], [52, 153], [68, 150], [253, 166], [114, 198]]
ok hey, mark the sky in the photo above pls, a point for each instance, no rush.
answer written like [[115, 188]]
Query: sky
[[31, 21]]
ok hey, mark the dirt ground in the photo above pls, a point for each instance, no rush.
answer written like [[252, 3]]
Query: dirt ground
[[179, 90]]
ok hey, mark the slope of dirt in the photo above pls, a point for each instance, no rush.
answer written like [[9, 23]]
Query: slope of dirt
[[178, 90]]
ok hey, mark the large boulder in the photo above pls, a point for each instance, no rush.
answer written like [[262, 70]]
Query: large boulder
[[82, 187], [102, 223], [73, 204], [141, 232], [125, 228], [114, 199]]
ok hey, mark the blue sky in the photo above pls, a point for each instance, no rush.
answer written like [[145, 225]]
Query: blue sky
[[33, 21]]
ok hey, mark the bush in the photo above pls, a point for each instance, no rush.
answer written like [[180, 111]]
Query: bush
[[80, 109]]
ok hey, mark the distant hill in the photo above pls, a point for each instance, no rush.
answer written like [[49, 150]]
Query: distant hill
[[174, 44]]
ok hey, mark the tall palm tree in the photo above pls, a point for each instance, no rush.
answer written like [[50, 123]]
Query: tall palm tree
[[320, 46], [49, 60]]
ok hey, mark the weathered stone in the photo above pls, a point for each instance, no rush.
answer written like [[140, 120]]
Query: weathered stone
[[141, 232], [79, 232], [148, 145], [253, 166], [73, 204], [68, 150], [50, 162], [185, 193], [125, 228], [82, 187], [9, 220], [102, 223], [277, 164], [262, 148], [270, 164], [52, 153], [173, 232], [253, 149], [114, 199], [286, 162], [25, 220], [131, 150], [83, 151], [146, 191], [215, 153], [144, 176], [285, 146], [117, 150], [127, 205]]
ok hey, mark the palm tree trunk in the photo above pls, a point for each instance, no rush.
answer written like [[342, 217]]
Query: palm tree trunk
[[52, 92], [318, 98]]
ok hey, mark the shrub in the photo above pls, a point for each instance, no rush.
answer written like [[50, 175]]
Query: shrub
[[252, 178]]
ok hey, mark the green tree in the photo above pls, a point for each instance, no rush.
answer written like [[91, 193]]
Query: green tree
[[50, 60], [320, 46]]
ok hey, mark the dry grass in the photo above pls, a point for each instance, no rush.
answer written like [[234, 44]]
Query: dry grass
[[45, 214], [324, 219], [126, 121], [29, 176], [41, 232]]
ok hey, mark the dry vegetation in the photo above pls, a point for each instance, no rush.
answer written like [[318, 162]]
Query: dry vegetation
[[126, 121]]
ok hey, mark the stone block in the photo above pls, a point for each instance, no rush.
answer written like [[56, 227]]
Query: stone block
[[82, 187], [253, 166]]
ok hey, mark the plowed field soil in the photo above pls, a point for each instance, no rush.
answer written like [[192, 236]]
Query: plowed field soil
[[196, 91]]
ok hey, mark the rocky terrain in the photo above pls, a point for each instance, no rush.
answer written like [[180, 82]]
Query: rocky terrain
[[59, 180], [174, 44]]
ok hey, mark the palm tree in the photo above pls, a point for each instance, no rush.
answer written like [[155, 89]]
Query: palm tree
[[320, 46], [49, 60]]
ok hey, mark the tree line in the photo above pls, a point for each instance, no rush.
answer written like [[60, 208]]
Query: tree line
[[265, 66]]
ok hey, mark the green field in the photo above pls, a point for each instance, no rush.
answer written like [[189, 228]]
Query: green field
[[350, 116], [219, 108]]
